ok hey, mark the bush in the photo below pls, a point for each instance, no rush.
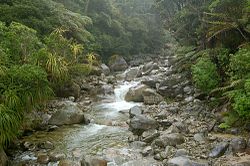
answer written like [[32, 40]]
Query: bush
[[205, 75], [241, 100], [240, 64]]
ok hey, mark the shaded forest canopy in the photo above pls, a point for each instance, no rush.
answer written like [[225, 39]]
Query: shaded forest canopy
[[47, 44], [104, 26]]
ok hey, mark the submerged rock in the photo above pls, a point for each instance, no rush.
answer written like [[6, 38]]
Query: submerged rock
[[68, 114]]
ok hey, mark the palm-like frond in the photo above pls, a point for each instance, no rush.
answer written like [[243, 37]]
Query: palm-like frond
[[76, 49], [10, 121], [57, 67]]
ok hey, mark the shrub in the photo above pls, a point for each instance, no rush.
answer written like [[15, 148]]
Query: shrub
[[21, 89], [240, 64], [205, 75]]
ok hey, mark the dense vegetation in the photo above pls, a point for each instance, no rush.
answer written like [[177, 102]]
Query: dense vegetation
[[216, 34]]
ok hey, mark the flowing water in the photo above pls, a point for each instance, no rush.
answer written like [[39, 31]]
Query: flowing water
[[106, 136]]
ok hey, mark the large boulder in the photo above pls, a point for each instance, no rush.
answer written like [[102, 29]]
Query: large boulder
[[105, 69], [150, 97], [135, 93], [69, 113], [69, 89], [3, 158], [117, 63], [140, 123], [132, 74]]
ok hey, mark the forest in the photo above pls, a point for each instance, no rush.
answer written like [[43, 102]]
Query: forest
[[49, 45]]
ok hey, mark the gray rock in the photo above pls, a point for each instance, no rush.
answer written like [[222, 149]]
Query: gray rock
[[148, 67], [140, 123], [184, 161], [138, 144], [3, 158], [136, 110], [181, 152], [69, 113], [150, 97], [187, 90], [157, 156], [132, 73], [151, 81], [135, 93], [149, 135], [117, 63], [199, 137], [147, 151], [107, 89], [164, 155], [172, 139], [238, 144], [105, 69], [219, 150], [179, 161]]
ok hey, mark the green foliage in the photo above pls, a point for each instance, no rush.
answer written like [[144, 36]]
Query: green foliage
[[21, 88], [205, 75], [229, 119], [80, 70], [240, 64], [19, 42]]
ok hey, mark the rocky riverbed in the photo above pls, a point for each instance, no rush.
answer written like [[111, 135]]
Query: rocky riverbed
[[148, 115]]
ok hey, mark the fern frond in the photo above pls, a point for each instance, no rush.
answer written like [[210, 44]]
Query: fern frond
[[232, 85]]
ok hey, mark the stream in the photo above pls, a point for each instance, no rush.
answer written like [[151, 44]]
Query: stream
[[105, 137]]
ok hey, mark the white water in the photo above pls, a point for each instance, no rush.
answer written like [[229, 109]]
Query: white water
[[119, 102]]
